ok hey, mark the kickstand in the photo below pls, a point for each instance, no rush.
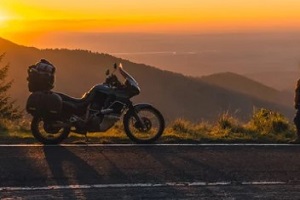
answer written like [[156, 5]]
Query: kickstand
[[86, 139]]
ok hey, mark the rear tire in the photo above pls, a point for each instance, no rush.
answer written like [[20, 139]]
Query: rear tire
[[153, 129], [39, 132]]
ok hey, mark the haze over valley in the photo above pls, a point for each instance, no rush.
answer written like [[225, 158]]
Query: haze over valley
[[272, 58]]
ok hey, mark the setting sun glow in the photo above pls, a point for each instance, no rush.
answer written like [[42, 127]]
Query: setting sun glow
[[33, 17]]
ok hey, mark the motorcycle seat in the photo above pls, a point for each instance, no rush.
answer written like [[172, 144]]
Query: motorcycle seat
[[75, 101]]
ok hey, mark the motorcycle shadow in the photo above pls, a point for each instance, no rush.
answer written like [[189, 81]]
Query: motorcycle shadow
[[70, 166]]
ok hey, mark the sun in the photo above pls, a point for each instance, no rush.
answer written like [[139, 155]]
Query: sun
[[3, 18], [3, 22]]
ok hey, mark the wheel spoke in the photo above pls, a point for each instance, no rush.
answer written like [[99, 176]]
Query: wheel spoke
[[149, 129], [49, 132]]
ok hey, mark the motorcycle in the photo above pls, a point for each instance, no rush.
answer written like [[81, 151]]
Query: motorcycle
[[55, 114]]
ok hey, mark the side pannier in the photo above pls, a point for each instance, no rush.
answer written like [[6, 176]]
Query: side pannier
[[41, 76], [44, 104]]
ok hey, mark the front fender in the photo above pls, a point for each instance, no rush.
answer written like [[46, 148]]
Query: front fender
[[138, 107], [142, 105]]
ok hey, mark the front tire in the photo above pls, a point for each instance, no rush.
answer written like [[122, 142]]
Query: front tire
[[55, 136], [154, 124]]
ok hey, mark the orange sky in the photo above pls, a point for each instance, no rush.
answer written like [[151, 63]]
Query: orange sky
[[180, 16]]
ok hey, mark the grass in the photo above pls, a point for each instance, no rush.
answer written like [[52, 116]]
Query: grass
[[265, 126]]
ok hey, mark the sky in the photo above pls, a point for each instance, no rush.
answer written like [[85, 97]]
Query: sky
[[148, 15]]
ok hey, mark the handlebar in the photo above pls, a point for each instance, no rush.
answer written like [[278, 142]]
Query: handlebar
[[113, 80]]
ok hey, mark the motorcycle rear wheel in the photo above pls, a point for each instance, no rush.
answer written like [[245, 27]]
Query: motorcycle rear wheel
[[52, 136], [153, 128]]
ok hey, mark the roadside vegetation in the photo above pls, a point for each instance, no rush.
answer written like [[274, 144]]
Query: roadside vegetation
[[8, 112], [265, 126]]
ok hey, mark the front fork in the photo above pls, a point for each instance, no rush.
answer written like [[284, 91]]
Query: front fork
[[136, 116]]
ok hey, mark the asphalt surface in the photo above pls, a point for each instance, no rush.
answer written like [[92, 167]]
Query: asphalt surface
[[150, 172]]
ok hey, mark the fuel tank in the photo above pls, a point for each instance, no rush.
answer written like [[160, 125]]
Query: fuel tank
[[109, 91]]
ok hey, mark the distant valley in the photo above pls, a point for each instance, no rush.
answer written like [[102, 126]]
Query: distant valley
[[270, 58]]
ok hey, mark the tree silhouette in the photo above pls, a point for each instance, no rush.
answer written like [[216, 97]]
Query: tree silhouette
[[7, 109]]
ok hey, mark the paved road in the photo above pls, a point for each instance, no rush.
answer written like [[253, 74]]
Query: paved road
[[150, 172]]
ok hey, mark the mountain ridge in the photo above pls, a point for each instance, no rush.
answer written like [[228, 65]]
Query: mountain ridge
[[178, 96], [242, 84]]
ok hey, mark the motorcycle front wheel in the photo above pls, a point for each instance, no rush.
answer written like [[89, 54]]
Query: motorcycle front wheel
[[48, 133], [149, 130]]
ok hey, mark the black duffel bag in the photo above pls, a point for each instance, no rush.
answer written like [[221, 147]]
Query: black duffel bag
[[41, 76]]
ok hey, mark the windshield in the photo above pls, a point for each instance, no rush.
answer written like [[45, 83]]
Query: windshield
[[127, 76]]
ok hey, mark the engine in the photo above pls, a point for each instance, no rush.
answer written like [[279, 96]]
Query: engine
[[108, 116], [102, 123]]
